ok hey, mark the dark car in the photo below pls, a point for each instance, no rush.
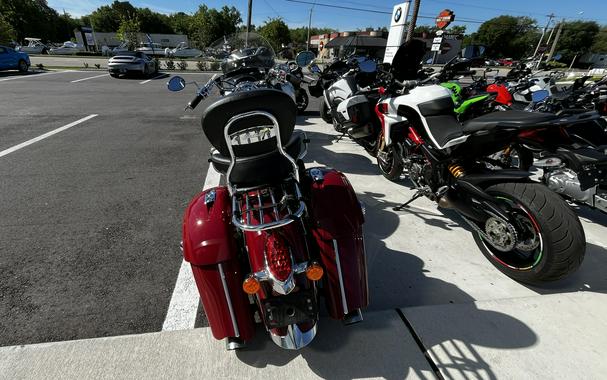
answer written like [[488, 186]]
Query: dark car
[[13, 60]]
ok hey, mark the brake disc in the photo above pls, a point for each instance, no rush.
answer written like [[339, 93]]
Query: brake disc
[[500, 234]]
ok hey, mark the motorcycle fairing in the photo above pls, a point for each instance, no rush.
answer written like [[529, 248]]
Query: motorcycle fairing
[[340, 241], [210, 248], [413, 99]]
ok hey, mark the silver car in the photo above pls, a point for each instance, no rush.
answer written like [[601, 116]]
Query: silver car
[[132, 62]]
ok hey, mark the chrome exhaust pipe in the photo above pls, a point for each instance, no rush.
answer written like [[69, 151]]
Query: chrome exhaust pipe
[[295, 339]]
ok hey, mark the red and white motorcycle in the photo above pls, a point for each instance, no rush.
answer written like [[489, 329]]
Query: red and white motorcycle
[[265, 247]]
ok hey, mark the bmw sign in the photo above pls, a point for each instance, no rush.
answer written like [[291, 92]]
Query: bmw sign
[[398, 14]]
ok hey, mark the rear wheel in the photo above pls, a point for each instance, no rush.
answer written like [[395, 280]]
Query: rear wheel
[[22, 66], [548, 241]]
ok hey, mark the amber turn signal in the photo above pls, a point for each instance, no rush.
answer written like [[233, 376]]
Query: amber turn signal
[[314, 272], [251, 285]]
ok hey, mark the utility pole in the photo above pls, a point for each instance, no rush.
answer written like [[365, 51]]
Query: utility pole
[[413, 21], [309, 24], [556, 40], [539, 43], [246, 42]]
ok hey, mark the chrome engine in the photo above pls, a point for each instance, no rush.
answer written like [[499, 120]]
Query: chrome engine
[[565, 181]]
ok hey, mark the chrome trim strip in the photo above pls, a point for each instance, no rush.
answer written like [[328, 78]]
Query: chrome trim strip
[[341, 279], [228, 299]]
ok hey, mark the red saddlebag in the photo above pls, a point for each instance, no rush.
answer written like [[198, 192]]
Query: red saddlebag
[[209, 245], [338, 219]]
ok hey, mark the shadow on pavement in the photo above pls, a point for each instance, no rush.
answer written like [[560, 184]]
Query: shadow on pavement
[[382, 346], [8, 74]]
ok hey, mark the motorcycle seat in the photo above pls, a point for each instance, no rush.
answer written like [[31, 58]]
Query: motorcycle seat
[[266, 168], [251, 136], [507, 119]]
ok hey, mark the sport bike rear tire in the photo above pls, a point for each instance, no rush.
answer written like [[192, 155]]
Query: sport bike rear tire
[[562, 241]]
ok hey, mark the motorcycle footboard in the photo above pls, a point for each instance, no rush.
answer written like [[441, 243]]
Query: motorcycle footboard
[[339, 236], [210, 248]]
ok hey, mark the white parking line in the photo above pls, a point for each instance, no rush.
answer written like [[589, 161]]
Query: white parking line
[[47, 134], [184, 301], [154, 77], [35, 75], [83, 79]]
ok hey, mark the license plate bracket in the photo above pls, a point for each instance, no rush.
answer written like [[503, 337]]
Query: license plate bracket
[[290, 309]]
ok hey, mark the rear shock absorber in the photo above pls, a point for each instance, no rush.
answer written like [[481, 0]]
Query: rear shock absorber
[[456, 170]]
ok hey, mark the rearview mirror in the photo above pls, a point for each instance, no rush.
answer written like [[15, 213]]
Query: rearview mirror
[[176, 83], [367, 66], [305, 58]]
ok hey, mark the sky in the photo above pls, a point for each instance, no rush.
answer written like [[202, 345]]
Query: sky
[[470, 12]]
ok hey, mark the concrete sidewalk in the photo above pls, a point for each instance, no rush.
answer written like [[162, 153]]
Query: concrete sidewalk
[[474, 322]]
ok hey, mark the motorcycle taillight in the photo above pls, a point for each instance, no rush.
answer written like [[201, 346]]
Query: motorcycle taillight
[[279, 257]]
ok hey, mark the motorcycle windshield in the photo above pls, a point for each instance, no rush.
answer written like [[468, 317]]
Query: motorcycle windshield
[[408, 60], [239, 51]]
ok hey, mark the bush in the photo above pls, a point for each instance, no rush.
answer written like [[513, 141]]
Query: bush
[[98, 66], [169, 64], [201, 65], [40, 66], [86, 65], [555, 65], [214, 66], [182, 65]]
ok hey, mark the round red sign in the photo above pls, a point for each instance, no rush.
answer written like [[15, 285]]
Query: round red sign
[[445, 18]]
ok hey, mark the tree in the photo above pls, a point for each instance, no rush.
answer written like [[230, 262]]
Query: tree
[[7, 33], [128, 30], [34, 18], [153, 22], [506, 36], [180, 22], [576, 38], [209, 24], [107, 18], [276, 32], [600, 41]]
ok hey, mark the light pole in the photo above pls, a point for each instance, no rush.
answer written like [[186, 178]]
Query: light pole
[[246, 41], [309, 25]]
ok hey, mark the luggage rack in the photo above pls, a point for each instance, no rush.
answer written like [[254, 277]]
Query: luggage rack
[[252, 216]]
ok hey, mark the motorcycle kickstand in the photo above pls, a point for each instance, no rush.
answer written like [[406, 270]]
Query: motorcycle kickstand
[[418, 194], [338, 138]]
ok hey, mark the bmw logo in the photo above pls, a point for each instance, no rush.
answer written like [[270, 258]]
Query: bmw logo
[[398, 14]]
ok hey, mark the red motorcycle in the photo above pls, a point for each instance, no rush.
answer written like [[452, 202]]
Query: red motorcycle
[[264, 247]]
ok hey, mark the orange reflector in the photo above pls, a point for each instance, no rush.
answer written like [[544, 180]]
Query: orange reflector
[[314, 272], [251, 285]]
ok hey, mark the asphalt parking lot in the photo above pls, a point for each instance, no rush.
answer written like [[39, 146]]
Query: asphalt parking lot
[[90, 229], [90, 219]]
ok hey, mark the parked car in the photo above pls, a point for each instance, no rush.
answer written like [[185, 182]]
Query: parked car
[[132, 62], [182, 51], [68, 47], [34, 46], [13, 60], [151, 49], [506, 61]]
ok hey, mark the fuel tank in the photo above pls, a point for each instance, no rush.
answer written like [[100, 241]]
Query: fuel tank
[[209, 245], [337, 231]]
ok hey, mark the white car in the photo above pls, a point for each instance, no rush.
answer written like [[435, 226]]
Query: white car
[[34, 46], [68, 47], [132, 62], [150, 49], [183, 51]]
